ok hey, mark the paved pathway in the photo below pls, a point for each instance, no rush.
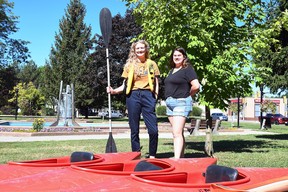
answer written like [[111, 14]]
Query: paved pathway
[[9, 138]]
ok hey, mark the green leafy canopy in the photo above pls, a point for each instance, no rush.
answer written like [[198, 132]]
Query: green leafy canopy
[[218, 35]]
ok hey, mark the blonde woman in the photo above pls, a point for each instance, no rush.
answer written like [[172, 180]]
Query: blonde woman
[[141, 88]]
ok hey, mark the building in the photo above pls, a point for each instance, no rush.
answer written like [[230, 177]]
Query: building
[[251, 107]]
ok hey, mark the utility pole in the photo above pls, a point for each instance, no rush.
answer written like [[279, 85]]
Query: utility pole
[[261, 102], [16, 110], [238, 111]]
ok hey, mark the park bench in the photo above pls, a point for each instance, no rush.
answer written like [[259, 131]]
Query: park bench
[[197, 124]]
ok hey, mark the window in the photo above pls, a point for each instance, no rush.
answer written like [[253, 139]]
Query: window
[[257, 110]]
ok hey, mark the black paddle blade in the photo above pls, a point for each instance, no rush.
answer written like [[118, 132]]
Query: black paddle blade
[[111, 146], [106, 24]]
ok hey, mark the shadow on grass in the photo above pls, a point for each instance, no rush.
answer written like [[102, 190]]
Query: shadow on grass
[[274, 137], [187, 155], [236, 146]]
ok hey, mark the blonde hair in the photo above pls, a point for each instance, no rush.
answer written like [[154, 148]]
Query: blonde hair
[[132, 57]]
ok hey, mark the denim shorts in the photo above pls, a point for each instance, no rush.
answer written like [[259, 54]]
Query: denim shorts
[[179, 106]]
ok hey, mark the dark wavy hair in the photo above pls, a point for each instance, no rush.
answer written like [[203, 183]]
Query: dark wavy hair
[[186, 61]]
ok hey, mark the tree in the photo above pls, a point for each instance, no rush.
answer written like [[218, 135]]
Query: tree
[[234, 109], [274, 56], [218, 36], [10, 49], [268, 106], [30, 99], [124, 30], [68, 59], [8, 80], [29, 72]]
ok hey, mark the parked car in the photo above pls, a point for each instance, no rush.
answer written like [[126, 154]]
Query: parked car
[[115, 113], [276, 118], [103, 113], [219, 116]]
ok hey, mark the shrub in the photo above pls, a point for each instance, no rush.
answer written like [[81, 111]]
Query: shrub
[[197, 111], [38, 124], [161, 110], [7, 110], [48, 111]]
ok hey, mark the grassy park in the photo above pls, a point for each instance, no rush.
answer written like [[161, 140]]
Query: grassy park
[[231, 150]]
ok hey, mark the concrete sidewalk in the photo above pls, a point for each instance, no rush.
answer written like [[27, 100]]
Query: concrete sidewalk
[[144, 134]]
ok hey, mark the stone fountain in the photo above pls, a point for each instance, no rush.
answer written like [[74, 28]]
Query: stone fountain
[[65, 108]]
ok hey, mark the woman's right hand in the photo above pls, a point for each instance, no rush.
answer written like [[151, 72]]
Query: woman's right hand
[[109, 90], [116, 90]]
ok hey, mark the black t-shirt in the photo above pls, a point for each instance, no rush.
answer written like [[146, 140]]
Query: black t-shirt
[[177, 85]]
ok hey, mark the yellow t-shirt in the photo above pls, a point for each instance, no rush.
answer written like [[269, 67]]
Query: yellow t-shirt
[[141, 70]]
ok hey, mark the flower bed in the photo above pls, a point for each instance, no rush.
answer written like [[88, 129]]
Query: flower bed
[[51, 129]]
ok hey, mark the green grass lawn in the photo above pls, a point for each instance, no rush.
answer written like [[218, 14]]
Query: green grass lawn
[[234, 150]]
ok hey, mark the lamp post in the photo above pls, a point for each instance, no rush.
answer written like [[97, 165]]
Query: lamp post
[[238, 110], [261, 102], [16, 110]]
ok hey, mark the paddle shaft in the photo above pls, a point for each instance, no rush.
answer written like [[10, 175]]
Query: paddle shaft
[[106, 29], [109, 95]]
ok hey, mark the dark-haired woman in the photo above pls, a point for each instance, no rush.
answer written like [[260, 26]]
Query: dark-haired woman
[[180, 85]]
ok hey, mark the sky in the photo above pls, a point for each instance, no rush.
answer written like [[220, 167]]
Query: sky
[[39, 21]]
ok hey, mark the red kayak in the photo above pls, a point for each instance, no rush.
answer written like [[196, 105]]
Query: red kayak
[[245, 179], [23, 168], [199, 175], [91, 176], [121, 174]]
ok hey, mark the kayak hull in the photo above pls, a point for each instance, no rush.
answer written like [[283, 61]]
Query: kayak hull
[[127, 172], [24, 168]]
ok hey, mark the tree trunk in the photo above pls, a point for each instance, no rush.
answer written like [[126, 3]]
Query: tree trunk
[[209, 141]]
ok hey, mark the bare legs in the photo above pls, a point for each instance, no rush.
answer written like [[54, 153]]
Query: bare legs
[[178, 123]]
